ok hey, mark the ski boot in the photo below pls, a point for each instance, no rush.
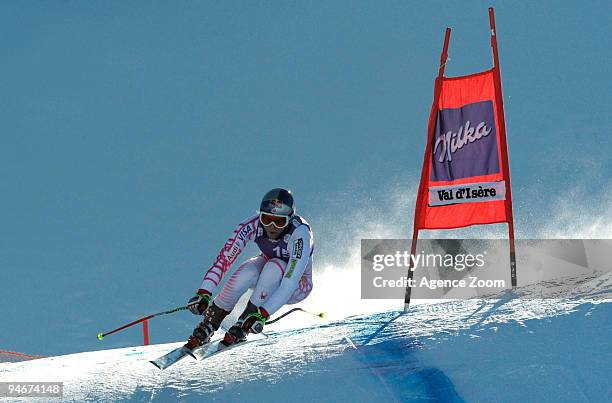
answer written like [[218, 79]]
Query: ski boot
[[235, 334], [205, 329], [239, 332]]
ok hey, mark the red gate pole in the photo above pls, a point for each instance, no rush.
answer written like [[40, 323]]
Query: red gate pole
[[504, 145], [431, 127], [145, 332]]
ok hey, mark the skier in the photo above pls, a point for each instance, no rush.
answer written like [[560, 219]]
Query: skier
[[280, 274]]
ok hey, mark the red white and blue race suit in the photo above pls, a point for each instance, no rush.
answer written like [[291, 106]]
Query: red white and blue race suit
[[280, 274]]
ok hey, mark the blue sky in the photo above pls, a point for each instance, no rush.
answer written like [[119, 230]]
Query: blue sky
[[135, 135]]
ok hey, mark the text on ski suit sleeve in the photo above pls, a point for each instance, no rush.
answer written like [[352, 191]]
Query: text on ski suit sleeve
[[242, 235]]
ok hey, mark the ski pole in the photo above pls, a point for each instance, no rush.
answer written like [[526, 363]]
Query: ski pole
[[181, 308], [320, 315]]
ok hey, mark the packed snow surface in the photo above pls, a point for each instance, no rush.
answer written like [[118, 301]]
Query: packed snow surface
[[512, 348]]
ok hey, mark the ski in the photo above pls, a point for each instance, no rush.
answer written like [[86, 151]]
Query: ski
[[199, 353], [178, 354], [205, 350], [210, 349], [171, 358]]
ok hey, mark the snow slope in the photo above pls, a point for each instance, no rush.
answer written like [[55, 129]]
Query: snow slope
[[510, 349]]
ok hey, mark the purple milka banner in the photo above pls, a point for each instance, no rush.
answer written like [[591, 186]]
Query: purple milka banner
[[465, 144]]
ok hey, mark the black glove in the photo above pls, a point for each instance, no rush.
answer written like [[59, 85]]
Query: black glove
[[198, 304]]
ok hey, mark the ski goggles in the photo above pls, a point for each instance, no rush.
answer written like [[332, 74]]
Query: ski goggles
[[279, 221]]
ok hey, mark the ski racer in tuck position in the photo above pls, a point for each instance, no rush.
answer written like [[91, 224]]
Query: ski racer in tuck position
[[280, 274]]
